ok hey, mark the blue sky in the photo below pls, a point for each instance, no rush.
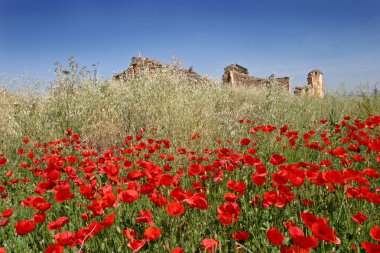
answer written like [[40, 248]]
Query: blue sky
[[287, 38]]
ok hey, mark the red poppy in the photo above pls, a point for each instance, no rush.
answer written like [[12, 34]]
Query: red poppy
[[225, 218], [259, 179], [55, 248], [375, 233], [309, 219], [128, 196], [39, 217], [175, 209], [333, 177], [199, 201], [295, 249], [3, 223], [178, 250], [277, 159], [195, 169], [136, 245], [374, 144], [3, 161], [301, 240], [109, 220], [164, 179], [230, 197], [24, 227], [359, 217], [7, 213], [370, 247], [245, 141], [62, 193], [129, 233], [209, 244], [145, 217], [323, 232], [58, 223], [2, 250], [240, 236], [275, 237], [152, 234], [339, 152], [64, 238]]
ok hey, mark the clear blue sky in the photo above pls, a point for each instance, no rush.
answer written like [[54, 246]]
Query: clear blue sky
[[287, 38]]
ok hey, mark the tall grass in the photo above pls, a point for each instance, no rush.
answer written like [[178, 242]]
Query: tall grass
[[103, 112]]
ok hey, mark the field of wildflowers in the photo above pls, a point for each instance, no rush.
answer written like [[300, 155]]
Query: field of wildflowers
[[165, 167]]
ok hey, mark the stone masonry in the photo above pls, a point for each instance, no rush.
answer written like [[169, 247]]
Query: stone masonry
[[315, 85], [141, 65], [233, 74], [238, 75]]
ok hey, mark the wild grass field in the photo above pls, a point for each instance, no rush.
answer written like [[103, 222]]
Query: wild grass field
[[161, 164]]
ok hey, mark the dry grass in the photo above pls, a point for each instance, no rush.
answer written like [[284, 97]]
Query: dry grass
[[104, 113]]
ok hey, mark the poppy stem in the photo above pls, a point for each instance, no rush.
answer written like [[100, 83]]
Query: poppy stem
[[84, 240], [241, 245], [341, 205]]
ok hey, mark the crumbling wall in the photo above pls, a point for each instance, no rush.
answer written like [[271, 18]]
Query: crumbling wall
[[144, 66], [315, 80], [315, 85], [238, 75]]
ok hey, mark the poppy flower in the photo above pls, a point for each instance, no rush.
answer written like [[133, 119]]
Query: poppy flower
[[374, 144], [3, 161], [136, 245], [277, 159], [145, 217], [175, 209], [129, 233], [375, 233], [24, 227], [109, 220], [128, 196], [39, 217], [3, 223], [198, 200], [323, 232], [152, 234], [359, 217], [301, 240], [64, 238], [225, 218], [259, 179], [2, 250], [58, 223], [55, 248], [245, 141], [240, 236], [178, 250], [209, 244], [275, 237], [7, 213], [370, 247], [230, 197]]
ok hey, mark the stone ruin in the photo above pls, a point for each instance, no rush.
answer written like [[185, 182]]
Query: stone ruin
[[238, 75], [233, 74], [142, 66], [315, 85]]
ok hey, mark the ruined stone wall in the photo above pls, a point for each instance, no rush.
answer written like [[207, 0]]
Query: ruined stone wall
[[237, 75], [315, 86], [315, 81], [145, 66], [233, 74]]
